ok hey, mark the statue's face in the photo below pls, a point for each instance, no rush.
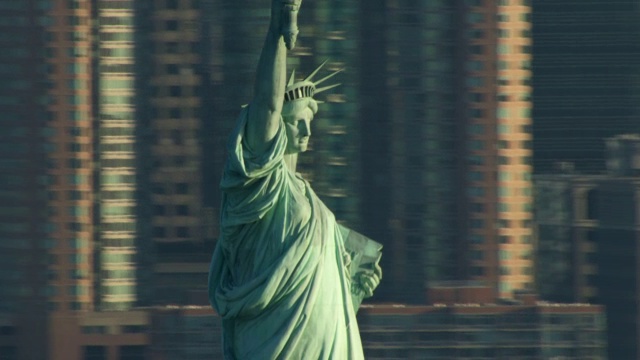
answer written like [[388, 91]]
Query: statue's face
[[298, 128]]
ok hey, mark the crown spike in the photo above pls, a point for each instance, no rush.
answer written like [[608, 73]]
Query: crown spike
[[319, 90], [315, 71], [292, 78], [327, 77]]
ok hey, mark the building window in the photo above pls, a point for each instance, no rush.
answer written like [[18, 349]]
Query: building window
[[476, 113], [477, 223], [504, 49], [476, 160], [476, 191], [476, 176], [159, 232], [477, 49], [476, 129], [171, 25], [182, 231], [182, 210], [474, 81]]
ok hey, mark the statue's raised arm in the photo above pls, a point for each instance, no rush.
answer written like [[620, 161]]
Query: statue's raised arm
[[266, 107]]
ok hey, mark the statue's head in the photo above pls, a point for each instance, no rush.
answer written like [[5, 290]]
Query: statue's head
[[299, 109]]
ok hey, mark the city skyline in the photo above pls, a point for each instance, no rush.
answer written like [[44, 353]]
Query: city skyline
[[115, 116]]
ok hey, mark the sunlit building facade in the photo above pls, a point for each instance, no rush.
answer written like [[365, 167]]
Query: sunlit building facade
[[46, 159], [459, 171], [118, 152]]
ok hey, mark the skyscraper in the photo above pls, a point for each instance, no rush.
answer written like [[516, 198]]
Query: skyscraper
[[586, 85], [458, 132], [45, 169], [172, 33], [121, 232]]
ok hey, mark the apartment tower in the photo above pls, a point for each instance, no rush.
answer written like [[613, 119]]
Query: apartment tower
[[457, 83], [46, 157], [586, 87]]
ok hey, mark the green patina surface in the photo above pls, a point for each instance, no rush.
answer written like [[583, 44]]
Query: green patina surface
[[285, 277]]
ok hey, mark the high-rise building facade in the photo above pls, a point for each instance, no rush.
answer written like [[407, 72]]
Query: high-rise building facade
[[172, 32], [589, 241], [45, 169], [118, 187], [585, 65], [458, 131]]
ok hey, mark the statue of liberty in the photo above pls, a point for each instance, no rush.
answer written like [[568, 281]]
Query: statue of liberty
[[285, 278]]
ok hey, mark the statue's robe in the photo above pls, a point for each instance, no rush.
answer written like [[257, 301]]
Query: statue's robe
[[279, 275]]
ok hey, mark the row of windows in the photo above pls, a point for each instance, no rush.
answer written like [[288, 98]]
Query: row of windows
[[119, 20], [476, 18], [125, 147], [116, 4], [117, 131], [476, 145], [117, 68], [478, 191], [480, 239], [180, 232], [118, 83], [118, 210], [112, 179], [119, 274], [124, 258], [180, 210], [178, 188], [118, 163], [75, 68], [480, 129], [120, 52], [120, 289], [503, 207], [508, 176], [117, 194], [75, 179], [480, 81], [504, 49], [479, 3], [71, 52], [118, 242]]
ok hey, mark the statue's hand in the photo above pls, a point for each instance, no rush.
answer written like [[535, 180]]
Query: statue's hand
[[284, 20], [290, 22], [367, 281]]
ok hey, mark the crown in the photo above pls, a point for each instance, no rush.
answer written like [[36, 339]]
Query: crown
[[307, 88]]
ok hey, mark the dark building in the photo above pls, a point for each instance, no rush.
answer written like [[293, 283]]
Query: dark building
[[586, 87], [588, 244]]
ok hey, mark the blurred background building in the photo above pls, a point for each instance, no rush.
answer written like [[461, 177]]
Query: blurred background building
[[586, 86], [588, 241]]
